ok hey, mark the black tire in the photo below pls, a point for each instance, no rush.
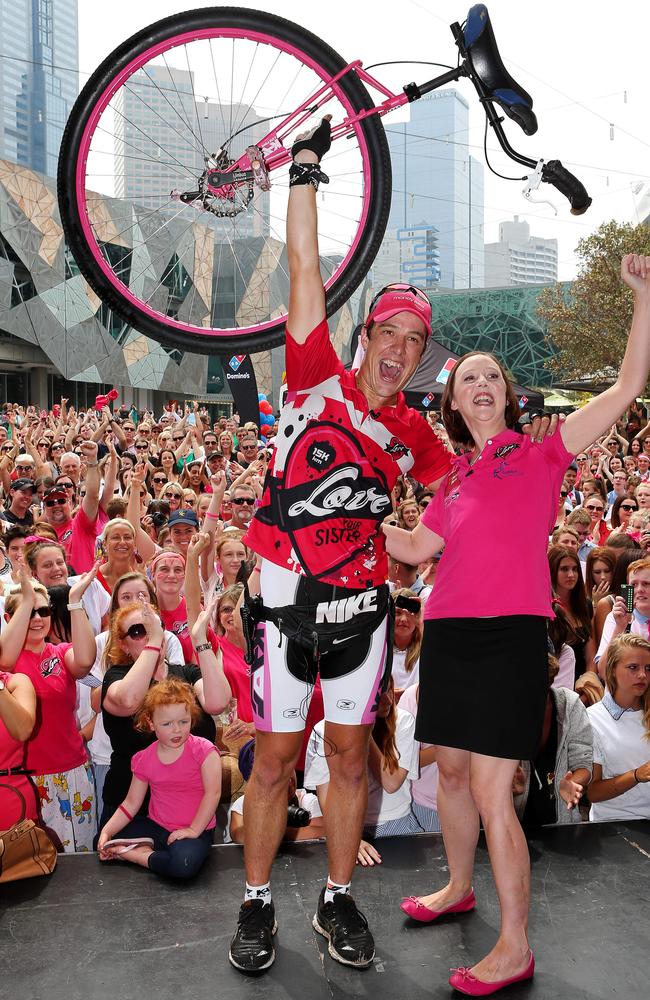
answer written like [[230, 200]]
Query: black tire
[[372, 129]]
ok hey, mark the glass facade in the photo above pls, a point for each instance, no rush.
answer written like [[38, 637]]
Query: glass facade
[[39, 79]]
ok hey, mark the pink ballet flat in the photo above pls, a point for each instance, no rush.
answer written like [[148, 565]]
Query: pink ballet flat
[[463, 981], [415, 909]]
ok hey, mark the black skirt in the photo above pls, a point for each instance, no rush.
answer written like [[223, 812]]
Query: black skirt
[[483, 685]]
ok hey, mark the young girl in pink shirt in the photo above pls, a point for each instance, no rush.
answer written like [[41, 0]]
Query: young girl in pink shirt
[[183, 774]]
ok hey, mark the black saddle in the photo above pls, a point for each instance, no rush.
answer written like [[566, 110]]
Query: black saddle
[[485, 63]]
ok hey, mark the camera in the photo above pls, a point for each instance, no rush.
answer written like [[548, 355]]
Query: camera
[[297, 816], [159, 511]]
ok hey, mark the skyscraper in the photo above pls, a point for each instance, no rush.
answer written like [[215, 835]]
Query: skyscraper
[[519, 258], [39, 79], [437, 193]]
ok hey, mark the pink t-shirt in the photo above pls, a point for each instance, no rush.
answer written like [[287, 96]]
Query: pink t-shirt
[[495, 517], [424, 790], [175, 621], [78, 538], [55, 744], [238, 675], [177, 788]]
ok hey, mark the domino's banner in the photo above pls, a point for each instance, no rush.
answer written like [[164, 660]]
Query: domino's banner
[[240, 376]]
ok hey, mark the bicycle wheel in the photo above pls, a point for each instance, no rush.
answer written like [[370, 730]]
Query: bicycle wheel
[[187, 95]]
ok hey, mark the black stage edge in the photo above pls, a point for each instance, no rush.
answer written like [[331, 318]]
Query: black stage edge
[[93, 931]]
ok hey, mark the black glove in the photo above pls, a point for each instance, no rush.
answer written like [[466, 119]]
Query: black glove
[[318, 142]]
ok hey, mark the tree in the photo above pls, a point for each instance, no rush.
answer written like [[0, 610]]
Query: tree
[[588, 322]]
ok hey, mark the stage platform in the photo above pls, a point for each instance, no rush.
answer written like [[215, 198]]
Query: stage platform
[[116, 932]]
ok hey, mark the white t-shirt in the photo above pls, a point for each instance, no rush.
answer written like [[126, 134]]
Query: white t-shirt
[[425, 788], [639, 627], [96, 601], [620, 746], [382, 805], [401, 677]]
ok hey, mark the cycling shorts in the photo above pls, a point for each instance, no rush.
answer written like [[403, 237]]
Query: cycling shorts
[[354, 670]]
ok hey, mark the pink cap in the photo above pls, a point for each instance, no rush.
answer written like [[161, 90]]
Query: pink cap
[[397, 300]]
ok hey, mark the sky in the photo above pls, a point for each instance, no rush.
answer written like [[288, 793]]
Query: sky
[[583, 64]]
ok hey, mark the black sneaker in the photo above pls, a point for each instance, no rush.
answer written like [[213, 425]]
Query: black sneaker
[[346, 929], [251, 949]]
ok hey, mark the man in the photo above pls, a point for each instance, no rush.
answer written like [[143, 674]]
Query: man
[[71, 466], [574, 496], [215, 462], [242, 499], [619, 482], [344, 439], [580, 521], [248, 449], [25, 466], [400, 574], [77, 534], [21, 498]]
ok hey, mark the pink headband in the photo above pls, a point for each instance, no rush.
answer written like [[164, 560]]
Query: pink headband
[[167, 554], [39, 538]]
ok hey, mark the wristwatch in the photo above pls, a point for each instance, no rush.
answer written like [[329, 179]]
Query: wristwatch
[[202, 648]]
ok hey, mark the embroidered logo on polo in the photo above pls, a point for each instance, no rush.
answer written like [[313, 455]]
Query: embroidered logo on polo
[[180, 628], [396, 448], [329, 493], [505, 449], [50, 667]]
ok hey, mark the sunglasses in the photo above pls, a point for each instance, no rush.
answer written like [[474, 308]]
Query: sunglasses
[[137, 631], [40, 612], [176, 440], [563, 493], [25, 468], [66, 486], [141, 447], [398, 286], [7, 447], [238, 501], [57, 447], [598, 510], [628, 506], [179, 496], [55, 503], [158, 479], [410, 604]]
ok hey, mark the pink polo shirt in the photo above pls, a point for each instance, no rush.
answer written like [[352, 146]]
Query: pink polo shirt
[[495, 517], [176, 788]]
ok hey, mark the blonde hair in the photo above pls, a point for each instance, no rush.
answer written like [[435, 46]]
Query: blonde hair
[[413, 649], [615, 651], [15, 598]]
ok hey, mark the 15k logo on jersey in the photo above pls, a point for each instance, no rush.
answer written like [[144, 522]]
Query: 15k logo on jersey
[[236, 361]]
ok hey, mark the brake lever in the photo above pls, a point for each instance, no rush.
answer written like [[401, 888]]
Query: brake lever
[[532, 184]]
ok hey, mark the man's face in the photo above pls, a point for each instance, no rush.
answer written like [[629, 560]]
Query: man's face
[[570, 478], [620, 482], [70, 468], [641, 583], [25, 468], [582, 529], [16, 551], [57, 510], [243, 502], [209, 441], [569, 541], [393, 352], [248, 449]]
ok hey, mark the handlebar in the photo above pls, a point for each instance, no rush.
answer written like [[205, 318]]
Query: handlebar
[[554, 173]]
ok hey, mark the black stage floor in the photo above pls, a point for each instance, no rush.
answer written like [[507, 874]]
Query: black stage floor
[[94, 931]]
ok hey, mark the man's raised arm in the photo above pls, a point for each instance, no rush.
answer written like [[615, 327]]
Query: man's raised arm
[[306, 292]]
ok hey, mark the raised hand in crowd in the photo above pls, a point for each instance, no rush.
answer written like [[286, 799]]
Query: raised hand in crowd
[[571, 791]]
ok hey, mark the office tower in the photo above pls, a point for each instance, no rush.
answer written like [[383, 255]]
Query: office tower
[[519, 258], [437, 196], [39, 79]]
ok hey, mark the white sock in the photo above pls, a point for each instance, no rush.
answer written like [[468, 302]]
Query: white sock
[[332, 888], [262, 892]]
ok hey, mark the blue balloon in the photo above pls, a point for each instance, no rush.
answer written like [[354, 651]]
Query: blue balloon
[[269, 419], [260, 397]]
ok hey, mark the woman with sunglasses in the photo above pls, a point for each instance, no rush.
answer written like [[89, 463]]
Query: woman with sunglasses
[[173, 494], [407, 639], [599, 530], [157, 481], [136, 658], [55, 752], [479, 748], [622, 511], [47, 564]]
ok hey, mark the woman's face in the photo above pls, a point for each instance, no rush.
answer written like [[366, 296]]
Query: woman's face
[[133, 592], [635, 447], [127, 476], [632, 675], [39, 627], [227, 615], [174, 497], [126, 462], [226, 442], [643, 497], [189, 499], [167, 459], [625, 511], [567, 574], [169, 576], [203, 504], [479, 390], [135, 643], [615, 464], [165, 439], [601, 573], [120, 544], [51, 569], [158, 482], [630, 464], [405, 625], [595, 508], [232, 555], [194, 475], [411, 515]]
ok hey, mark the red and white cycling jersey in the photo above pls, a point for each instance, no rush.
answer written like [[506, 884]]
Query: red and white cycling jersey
[[334, 465]]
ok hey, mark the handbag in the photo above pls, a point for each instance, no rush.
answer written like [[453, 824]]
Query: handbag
[[25, 849]]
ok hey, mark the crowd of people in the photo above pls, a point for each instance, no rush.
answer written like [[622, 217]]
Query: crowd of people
[[369, 623]]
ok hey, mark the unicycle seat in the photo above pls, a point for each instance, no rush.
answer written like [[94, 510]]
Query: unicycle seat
[[486, 64]]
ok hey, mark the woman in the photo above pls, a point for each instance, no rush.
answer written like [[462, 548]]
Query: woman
[[118, 549], [599, 573], [635, 447], [168, 575], [194, 476], [17, 720], [622, 510], [173, 494], [55, 752], [136, 659], [47, 564], [553, 783], [190, 498], [407, 639], [157, 481], [566, 580], [408, 514], [392, 760], [167, 460], [231, 553], [226, 445], [478, 750], [620, 789], [599, 530], [424, 789]]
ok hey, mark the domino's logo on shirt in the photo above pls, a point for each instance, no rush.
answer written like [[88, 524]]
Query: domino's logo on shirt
[[236, 361]]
